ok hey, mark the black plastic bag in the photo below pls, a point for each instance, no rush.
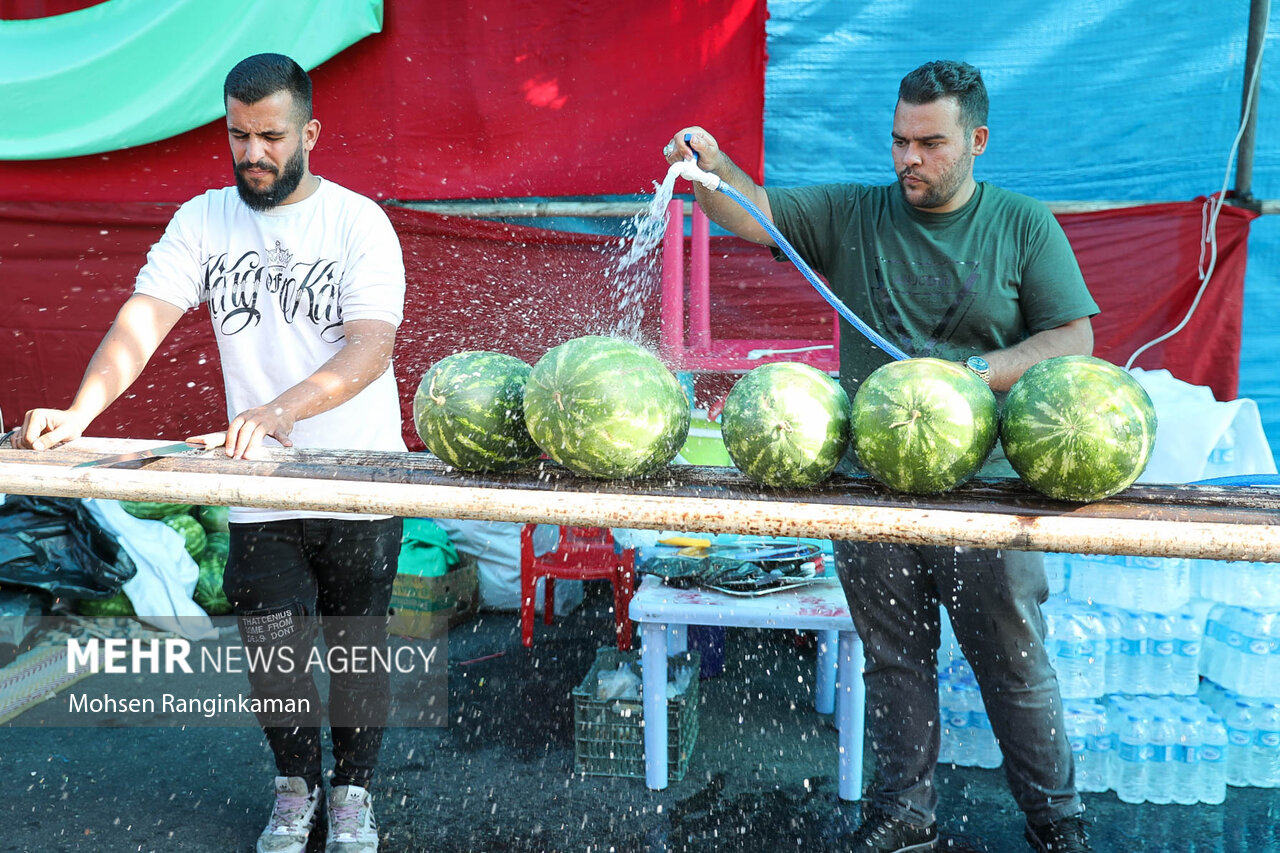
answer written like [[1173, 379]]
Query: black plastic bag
[[54, 544]]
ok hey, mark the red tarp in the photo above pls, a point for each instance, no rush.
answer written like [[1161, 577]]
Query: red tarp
[[483, 99], [482, 285]]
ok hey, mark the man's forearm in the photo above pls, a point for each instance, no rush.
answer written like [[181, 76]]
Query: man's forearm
[[730, 215], [364, 358], [1008, 365], [138, 330]]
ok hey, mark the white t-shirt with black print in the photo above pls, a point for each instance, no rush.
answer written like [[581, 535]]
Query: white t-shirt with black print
[[278, 285]]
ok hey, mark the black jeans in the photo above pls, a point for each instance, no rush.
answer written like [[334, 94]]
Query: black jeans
[[288, 580], [993, 599]]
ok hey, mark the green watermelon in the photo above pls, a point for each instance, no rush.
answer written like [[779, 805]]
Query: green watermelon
[[193, 535], [469, 411], [786, 424], [213, 518], [923, 425], [208, 592], [605, 407], [117, 606], [152, 509], [1078, 428], [217, 543]]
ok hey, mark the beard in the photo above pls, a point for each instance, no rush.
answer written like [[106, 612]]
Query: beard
[[282, 187], [939, 192]]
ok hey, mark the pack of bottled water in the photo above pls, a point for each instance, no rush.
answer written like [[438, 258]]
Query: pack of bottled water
[[1131, 583], [966, 737], [1253, 735], [1166, 750], [1098, 649], [1238, 583], [1242, 649]]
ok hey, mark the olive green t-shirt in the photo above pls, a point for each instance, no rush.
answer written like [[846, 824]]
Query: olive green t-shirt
[[942, 285]]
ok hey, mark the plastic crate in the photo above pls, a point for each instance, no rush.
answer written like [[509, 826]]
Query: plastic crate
[[608, 734]]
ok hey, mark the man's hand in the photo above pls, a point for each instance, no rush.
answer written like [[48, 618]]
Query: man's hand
[[723, 211], [701, 146], [247, 430], [46, 428]]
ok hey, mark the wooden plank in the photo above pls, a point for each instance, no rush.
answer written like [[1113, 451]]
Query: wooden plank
[[1168, 521]]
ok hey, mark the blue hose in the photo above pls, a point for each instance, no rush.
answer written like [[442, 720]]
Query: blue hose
[[834, 301]]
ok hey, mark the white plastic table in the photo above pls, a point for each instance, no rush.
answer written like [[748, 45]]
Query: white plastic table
[[665, 612]]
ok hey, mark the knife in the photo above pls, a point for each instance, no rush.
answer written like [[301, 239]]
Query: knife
[[162, 450]]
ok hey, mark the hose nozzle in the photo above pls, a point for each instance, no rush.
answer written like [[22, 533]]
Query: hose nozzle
[[688, 169]]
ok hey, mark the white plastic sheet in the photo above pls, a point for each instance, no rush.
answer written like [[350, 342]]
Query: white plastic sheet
[[161, 590], [1198, 437]]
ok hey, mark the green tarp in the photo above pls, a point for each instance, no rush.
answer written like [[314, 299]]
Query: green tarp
[[128, 72]]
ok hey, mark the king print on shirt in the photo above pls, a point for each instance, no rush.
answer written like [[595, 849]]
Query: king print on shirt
[[239, 290]]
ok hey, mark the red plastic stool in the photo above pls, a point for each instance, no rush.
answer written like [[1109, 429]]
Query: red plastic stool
[[584, 554]]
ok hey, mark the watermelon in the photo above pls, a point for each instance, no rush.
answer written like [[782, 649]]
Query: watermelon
[[469, 411], [208, 592], [786, 424], [1078, 428], [117, 606], [605, 407], [153, 509], [193, 535], [923, 425], [213, 518]]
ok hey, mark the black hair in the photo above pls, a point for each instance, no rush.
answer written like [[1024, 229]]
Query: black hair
[[947, 78], [263, 75]]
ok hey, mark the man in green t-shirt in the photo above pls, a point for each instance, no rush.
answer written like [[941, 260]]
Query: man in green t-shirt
[[941, 266]]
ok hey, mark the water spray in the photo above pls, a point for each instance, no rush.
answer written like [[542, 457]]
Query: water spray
[[689, 170]]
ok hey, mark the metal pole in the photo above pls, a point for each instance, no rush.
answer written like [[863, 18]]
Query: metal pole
[[1259, 11]]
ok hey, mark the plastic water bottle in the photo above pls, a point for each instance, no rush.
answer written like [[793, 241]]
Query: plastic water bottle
[[1164, 742], [1099, 745], [1256, 678], [1133, 642], [1076, 641], [1160, 645], [1186, 789], [1187, 636], [1113, 660], [1213, 761], [1239, 744], [1264, 770], [1134, 759]]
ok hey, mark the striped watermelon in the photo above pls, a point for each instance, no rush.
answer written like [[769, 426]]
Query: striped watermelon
[[1078, 428], [469, 411], [786, 424], [604, 407], [923, 425]]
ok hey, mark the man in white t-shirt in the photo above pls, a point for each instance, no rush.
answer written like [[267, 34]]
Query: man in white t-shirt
[[304, 283]]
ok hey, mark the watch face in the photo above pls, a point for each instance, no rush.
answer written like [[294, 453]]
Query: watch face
[[978, 363]]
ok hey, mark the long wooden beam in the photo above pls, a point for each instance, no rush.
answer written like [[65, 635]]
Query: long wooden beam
[[1164, 521]]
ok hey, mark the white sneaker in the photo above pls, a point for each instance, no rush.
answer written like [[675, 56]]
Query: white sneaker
[[292, 819], [352, 828]]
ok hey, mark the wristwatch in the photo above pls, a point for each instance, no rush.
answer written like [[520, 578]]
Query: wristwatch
[[979, 365]]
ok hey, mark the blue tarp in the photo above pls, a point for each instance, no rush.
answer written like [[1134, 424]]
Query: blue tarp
[[1104, 100]]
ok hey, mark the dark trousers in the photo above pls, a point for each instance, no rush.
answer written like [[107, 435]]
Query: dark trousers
[[993, 599], [289, 580]]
